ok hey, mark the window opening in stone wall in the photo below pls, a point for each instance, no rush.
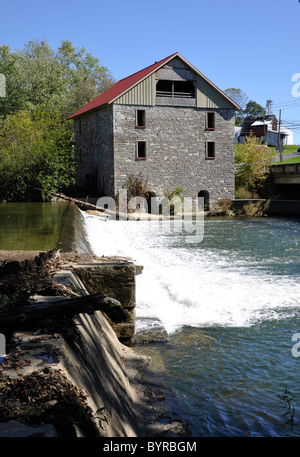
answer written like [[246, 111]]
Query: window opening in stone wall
[[203, 195], [210, 121], [140, 118], [141, 149], [210, 150], [175, 89], [151, 194]]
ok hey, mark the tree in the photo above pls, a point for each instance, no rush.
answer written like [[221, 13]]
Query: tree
[[239, 97], [43, 86], [248, 108], [36, 156], [253, 160], [254, 109], [38, 77]]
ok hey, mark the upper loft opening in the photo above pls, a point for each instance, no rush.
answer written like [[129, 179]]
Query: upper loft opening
[[175, 92], [176, 89]]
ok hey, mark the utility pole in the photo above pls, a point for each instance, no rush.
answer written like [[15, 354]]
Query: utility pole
[[279, 143]]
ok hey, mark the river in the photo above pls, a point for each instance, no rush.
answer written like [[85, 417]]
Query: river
[[230, 304]]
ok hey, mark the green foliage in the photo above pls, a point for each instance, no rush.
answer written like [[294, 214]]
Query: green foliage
[[175, 193], [36, 156], [253, 160], [256, 209], [243, 194], [295, 159], [38, 77], [253, 109], [239, 97], [43, 86], [175, 199], [287, 397], [136, 187], [248, 108]]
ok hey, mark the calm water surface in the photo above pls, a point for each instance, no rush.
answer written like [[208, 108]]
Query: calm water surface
[[231, 306], [32, 226]]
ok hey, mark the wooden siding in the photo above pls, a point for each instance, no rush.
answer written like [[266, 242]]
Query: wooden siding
[[144, 94], [209, 97], [141, 94]]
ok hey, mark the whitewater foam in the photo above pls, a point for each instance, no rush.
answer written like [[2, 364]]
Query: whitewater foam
[[191, 286]]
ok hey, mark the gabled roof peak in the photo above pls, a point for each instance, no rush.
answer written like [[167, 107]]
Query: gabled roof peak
[[123, 85]]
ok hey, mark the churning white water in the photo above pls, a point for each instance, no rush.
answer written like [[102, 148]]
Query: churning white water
[[224, 280]]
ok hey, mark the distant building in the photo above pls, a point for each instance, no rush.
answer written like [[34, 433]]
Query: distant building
[[167, 123], [266, 128]]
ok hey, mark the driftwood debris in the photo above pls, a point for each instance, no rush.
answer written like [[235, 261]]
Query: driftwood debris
[[19, 281], [87, 205], [36, 312]]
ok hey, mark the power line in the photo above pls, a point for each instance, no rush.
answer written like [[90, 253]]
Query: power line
[[288, 104]]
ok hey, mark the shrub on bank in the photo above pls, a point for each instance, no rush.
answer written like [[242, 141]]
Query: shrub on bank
[[36, 156]]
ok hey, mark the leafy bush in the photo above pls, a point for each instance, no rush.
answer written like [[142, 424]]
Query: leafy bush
[[136, 186], [175, 199], [244, 194], [253, 160], [36, 156]]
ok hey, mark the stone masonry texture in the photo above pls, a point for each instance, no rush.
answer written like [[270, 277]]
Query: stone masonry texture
[[176, 142]]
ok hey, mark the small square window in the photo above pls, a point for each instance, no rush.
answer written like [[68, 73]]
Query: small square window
[[140, 118], [141, 150], [210, 150], [210, 122]]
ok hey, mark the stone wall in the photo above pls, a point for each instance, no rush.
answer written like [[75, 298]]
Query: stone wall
[[116, 280], [272, 207], [176, 150], [94, 152], [113, 276]]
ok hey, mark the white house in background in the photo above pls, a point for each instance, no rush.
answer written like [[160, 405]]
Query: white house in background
[[237, 131], [272, 135], [266, 128]]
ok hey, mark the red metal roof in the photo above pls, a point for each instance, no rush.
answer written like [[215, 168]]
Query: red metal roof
[[125, 84], [120, 87]]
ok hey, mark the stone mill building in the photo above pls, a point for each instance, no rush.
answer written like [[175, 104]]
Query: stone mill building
[[168, 124]]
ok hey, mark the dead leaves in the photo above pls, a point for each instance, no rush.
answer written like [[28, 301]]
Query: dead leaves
[[46, 396]]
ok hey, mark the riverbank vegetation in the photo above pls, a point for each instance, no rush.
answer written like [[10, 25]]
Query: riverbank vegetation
[[43, 87], [253, 160]]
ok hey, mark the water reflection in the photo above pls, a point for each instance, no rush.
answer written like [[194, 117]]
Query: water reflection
[[32, 226]]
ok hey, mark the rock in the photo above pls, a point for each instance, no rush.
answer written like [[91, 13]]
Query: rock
[[149, 330], [17, 429]]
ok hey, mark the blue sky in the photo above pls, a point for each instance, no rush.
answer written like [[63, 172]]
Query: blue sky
[[251, 45]]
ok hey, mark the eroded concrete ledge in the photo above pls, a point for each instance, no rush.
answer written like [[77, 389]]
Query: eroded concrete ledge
[[114, 277], [92, 358]]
